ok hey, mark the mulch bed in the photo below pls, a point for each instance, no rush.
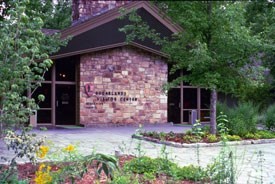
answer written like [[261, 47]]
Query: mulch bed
[[27, 171]]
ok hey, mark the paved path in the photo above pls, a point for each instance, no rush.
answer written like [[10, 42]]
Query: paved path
[[109, 140]]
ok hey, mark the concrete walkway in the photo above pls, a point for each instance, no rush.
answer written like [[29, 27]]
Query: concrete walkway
[[111, 139]]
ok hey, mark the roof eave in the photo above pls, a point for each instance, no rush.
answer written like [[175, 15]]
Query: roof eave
[[134, 44]]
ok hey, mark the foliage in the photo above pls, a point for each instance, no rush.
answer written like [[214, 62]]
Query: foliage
[[222, 107], [55, 14], [263, 134], [149, 176], [151, 167], [24, 59], [197, 129], [233, 138], [192, 138], [212, 138], [191, 172], [72, 165], [242, 119], [124, 178], [261, 96], [222, 120], [223, 170], [270, 117], [43, 176], [252, 136], [141, 165], [24, 145], [105, 163], [206, 129]]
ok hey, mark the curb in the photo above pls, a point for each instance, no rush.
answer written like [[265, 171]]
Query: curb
[[195, 145]]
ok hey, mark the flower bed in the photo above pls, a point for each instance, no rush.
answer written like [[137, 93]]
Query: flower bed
[[204, 139]]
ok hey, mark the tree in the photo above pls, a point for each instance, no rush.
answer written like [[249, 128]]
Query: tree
[[55, 14], [24, 58], [214, 49]]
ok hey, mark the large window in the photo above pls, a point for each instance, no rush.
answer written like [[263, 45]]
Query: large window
[[65, 70], [185, 99]]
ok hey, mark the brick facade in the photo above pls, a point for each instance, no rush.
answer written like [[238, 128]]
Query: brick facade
[[122, 86]]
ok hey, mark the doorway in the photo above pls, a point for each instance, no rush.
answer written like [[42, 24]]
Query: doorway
[[59, 89], [187, 102], [65, 104], [174, 105]]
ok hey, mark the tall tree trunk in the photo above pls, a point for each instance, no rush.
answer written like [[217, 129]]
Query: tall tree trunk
[[213, 103]]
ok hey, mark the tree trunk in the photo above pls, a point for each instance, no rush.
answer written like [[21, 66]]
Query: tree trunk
[[213, 103]]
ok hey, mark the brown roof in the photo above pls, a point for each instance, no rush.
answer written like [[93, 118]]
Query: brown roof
[[50, 31], [101, 32]]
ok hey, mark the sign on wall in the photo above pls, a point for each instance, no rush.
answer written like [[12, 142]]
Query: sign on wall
[[105, 96]]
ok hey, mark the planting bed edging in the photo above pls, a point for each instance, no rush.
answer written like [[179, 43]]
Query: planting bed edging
[[194, 145]]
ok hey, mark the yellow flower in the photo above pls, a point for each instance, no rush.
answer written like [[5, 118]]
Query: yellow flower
[[43, 150], [41, 167], [43, 176], [70, 148]]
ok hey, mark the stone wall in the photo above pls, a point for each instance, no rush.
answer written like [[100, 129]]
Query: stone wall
[[122, 86]]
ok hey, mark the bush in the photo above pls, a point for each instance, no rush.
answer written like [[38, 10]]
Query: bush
[[212, 138], [124, 178], [193, 173], [222, 107], [252, 136], [142, 165], [151, 167], [233, 137], [192, 138], [270, 117], [164, 166], [265, 134], [242, 119], [148, 165]]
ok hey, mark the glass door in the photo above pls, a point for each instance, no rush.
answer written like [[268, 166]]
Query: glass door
[[65, 104], [44, 112], [174, 105]]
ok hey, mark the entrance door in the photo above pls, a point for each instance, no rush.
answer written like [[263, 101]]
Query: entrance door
[[190, 102], [65, 104], [174, 106]]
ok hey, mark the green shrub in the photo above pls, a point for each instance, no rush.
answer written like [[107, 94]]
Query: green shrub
[[197, 129], [222, 107], [206, 130], [222, 121], [192, 138], [270, 117], [252, 136], [233, 137], [123, 178], [188, 132], [212, 138], [242, 119], [191, 172], [148, 165], [223, 169], [149, 176], [263, 134], [165, 166], [141, 165]]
